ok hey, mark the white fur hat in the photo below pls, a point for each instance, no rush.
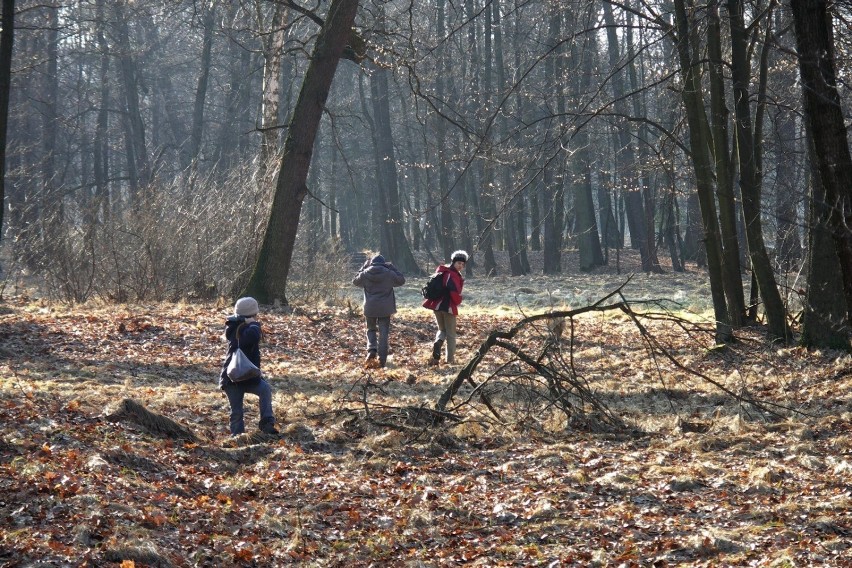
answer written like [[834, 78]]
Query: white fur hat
[[459, 255]]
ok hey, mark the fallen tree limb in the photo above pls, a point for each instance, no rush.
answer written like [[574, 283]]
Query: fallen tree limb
[[466, 372], [557, 374], [131, 411]]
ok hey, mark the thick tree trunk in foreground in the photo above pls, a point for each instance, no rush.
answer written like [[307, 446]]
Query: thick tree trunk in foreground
[[824, 117], [268, 281]]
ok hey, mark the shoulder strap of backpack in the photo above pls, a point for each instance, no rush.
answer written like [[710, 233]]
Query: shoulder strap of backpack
[[237, 333]]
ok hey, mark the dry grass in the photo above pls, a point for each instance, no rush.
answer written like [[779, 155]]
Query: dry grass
[[358, 477]]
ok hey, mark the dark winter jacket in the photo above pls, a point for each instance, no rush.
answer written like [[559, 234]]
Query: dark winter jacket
[[378, 282], [249, 342], [453, 283]]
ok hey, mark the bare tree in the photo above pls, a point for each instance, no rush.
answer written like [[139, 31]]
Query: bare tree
[[7, 35], [831, 201], [268, 281]]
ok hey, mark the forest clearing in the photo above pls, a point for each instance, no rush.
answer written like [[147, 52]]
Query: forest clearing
[[669, 394], [115, 450]]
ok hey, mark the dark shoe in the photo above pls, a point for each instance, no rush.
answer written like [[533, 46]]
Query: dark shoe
[[434, 362], [436, 349], [268, 427]]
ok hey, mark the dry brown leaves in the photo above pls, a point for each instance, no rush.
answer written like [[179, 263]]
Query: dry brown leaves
[[702, 481]]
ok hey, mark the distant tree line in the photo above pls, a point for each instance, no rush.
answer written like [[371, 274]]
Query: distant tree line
[[146, 142]]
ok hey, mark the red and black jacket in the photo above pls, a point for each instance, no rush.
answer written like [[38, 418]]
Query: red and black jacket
[[453, 284]]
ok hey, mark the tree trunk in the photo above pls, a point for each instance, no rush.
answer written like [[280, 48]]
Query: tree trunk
[[488, 203], [825, 323], [585, 224], [394, 244], [138, 165], [102, 154], [626, 171], [268, 281], [447, 212], [719, 116], [230, 136], [208, 18], [640, 109], [698, 144], [511, 204], [773, 305], [552, 182], [7, 35], [51, 210], [825, 120], [273, 51], [787, 178]]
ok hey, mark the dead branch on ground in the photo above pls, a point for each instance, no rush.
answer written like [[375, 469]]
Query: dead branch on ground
[[559, 383], [129, 410]]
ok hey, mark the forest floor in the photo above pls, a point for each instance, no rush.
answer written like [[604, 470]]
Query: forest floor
[[734, 456]]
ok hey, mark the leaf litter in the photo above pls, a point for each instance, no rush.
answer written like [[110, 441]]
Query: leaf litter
[[359, 477]]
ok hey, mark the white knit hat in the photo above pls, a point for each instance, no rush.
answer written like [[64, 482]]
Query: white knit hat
[[246, 307]]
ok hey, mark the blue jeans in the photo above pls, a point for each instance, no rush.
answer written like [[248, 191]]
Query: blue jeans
[[378, 330], [236, 392]]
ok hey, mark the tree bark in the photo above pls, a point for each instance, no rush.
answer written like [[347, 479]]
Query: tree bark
[[825, 120], [824, 320], [394, 244], [101, 150], [273, 51], [7, 40], [511, 202], [446, 230], [719, 117], [207, 19], [139, 170], [773, 305], [552, 181], [268, 281], [698, 144], [626, 170]]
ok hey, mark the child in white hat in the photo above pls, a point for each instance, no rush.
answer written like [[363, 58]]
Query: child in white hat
[[242, 330]]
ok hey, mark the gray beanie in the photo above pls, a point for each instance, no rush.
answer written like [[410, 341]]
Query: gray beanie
[[378, 259], [246, 307]]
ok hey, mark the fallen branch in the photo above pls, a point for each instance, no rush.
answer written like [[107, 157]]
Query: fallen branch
[[466, 372], [131, 411], [556, 375]]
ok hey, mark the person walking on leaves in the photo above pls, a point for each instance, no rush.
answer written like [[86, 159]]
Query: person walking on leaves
[[378, 279], [242, 330], [446, 308]]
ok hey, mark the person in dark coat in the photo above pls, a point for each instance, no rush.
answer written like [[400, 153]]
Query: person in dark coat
[[446, 308], [242, 329], [378, 278]]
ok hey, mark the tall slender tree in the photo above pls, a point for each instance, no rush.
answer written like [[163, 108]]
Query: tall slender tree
[[268, 281], [7, 36], [773, 305]]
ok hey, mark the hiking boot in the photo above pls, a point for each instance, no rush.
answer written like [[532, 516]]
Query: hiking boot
[[434, 362], [372, 361], [436, 350], [267, 426]]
